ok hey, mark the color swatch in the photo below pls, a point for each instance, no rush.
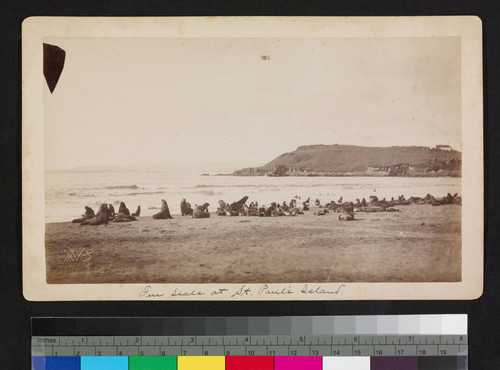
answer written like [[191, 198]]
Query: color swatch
[[405, 342], [249, 363]]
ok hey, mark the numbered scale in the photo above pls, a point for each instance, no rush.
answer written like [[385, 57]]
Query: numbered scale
[[261, 345], [406, 342]]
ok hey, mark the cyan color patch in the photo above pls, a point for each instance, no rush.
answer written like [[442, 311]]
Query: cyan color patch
[[104, 363]]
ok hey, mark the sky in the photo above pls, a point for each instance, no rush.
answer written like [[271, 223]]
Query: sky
[[128, 101]]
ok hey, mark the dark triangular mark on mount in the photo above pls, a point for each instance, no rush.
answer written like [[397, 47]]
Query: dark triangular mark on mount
[[53, 63]]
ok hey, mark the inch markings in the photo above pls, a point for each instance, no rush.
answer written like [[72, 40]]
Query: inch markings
[[261, 345]]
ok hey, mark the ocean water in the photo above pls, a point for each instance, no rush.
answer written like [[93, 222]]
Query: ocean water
[[66, 193]]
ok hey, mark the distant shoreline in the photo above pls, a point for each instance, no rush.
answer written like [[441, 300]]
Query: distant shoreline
[[341, 175]]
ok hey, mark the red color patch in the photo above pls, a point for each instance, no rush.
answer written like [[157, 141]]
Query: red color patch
[[249, 362]]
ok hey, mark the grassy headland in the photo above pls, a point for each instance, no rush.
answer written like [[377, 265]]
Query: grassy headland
[[351, 160]]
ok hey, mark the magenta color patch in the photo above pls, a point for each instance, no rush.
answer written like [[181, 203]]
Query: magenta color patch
[[298, 363]]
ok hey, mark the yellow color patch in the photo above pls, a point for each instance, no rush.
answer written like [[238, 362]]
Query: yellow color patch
[[201, 363]]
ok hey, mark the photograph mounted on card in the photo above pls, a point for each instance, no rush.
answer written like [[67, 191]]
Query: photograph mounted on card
[[242, 158]]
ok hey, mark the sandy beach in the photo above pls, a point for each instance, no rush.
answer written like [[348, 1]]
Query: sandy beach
[[421, 243]]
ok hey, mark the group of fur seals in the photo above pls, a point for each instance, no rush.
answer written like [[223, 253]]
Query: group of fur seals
[[240, 208], [346, 209], [277, 210], [376, 205], [124, 214], [106, 213], [164, 212], [234, 209], [100, 218]]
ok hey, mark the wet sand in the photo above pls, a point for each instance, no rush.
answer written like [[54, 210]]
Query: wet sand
[[421, 243]]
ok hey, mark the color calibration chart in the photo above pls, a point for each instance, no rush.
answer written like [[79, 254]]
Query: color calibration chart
[[399, 342]]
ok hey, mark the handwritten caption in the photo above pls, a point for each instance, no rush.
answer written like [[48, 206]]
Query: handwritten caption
[[243, 291], [78, 254]]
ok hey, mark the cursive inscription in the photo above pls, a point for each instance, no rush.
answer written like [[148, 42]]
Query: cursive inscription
[[319, 290], [220, 291], [192, 293], [265, 289], [147, 293], [243, 291]]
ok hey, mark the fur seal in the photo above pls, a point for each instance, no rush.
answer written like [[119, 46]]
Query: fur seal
[[270, 210], [372, 209], [346, 216], [244, 210], [225, 210], [164, 213], [123, 209], [89, 213], [235, 206], [100, 218], [186, 209], [428, 199], [138, 212], [253, 209], [262, 211], [332, 206], [111, 211], [221, 211], [124, 218], [124, 214], [295, 211], [201, 211]]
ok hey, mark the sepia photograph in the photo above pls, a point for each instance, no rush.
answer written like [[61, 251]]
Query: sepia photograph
[[257, 166]]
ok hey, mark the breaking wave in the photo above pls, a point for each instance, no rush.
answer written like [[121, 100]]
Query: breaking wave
[[132, 187], [142, 193]]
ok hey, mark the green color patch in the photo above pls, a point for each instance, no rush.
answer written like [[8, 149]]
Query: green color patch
[[152, 363]]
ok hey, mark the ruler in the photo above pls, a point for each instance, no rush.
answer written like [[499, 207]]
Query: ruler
[[261, 345], [426, 341]]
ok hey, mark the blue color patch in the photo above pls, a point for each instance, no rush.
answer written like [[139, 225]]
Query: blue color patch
[[104, 363], [37, 363], [55, 363]]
